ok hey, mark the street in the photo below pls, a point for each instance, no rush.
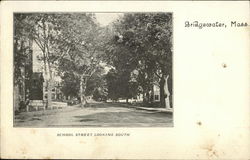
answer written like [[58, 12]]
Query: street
[[96, 115]]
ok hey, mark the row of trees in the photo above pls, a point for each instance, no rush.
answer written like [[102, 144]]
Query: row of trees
[[140, 49], [70, 46], [138, 46]]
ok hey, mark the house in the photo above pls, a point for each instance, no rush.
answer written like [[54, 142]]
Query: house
[[156, 93], [56, 93], [156, 96]]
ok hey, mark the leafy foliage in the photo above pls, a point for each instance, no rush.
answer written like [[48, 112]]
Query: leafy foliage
[[70, 85], [138, 46], [141, 42], [22, 49]]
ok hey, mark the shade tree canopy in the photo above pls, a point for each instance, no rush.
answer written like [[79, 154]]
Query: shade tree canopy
[[143, 42], [137, 46]]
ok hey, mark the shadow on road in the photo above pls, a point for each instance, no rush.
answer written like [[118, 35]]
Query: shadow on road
[[95, 115], [126, 117]]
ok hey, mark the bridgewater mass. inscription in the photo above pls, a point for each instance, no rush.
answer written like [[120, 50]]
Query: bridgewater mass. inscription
[[201, 25]]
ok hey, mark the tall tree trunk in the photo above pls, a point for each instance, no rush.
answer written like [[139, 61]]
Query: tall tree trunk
[[81, 91], [151, 96], [51, 85], [16, 97], [49, 93], [164, 92], [49, 81], [47, 63], [146, 98], [16, 82], [169, 89], [83, 82]]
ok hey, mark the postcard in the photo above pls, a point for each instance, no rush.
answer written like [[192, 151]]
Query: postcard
[[125, 80]]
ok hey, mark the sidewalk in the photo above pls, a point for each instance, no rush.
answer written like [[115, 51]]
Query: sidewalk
[[155, 109], [149, 108]]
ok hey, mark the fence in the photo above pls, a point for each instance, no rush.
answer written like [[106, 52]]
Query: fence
[[41, 104]]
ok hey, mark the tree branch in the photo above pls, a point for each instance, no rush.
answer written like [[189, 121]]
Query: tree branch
[[39, 44]]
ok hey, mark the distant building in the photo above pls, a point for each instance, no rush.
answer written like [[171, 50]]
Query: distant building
[[156, 93], [156, 96], [56, 93]]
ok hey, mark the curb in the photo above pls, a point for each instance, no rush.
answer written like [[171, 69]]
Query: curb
[[152, 109]]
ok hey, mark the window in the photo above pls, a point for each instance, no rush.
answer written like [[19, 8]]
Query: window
[[156, 97]]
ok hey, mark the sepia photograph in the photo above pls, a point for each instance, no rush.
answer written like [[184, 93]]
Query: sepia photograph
[[80, 69]]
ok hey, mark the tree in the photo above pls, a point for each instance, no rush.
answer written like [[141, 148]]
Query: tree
[[112, 84], [122, 59], [96, 83], [120, 85], [147, 40], [81, 35], [22, 62], [70, 85], [69, 43], [43, 30], [99, 94]]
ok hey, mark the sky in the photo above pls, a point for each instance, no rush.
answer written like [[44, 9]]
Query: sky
[[107, 18], [104, 19]]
